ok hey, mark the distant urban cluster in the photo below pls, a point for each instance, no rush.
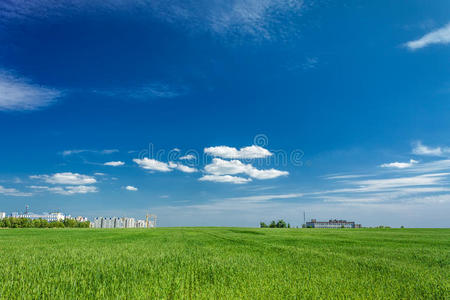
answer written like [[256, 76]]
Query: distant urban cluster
[[58, 219], [115, 222], [49, 217], [332, 224]]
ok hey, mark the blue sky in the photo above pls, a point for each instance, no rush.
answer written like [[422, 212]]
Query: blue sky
[[227, 113]]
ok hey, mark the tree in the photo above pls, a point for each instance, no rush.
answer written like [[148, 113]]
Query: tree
[[273, 224], [263, 225], [70, 223], [281, 224]]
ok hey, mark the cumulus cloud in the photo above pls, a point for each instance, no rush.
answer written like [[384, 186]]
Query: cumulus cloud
[[421, 149], [224, 167], [21, 94], [114, 163], [152, 164], [66, 178], [131, 188], [182, 168], [243, 153], [439, 36], [67, 190], [400, 165], [225, 178], [13, 192]]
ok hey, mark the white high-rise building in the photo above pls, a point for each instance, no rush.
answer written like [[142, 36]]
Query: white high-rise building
[[108, 223], [119, 223], [2, 215], [129, 222], [98, 222], [141, 224], [115, 222]]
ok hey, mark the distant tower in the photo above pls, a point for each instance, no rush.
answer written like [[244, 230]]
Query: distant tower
[[304, 218], [26, 209]]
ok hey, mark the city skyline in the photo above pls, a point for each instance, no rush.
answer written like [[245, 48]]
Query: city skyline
[[213, 114]]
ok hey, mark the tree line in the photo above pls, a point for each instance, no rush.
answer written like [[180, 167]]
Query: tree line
[[273, 224], [12, 222]]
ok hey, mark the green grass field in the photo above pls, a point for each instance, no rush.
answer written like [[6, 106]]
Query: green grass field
[[224, 263]]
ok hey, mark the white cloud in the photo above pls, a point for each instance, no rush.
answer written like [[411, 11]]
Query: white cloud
[[182, 168], [400, 165], [67, 190], [225, 167], [114, 163], [244, 153], [187, 157], [225, 178], [152, 164], [420, 180], [99, 174], [13, 192], [21, 94], [421, 149], [80, 189], [66, 178], [131, 188], [439, 36]]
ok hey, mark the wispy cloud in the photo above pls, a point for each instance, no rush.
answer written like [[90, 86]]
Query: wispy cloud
[[264, 198], [13, 192], [259, 19], [439, 36], [78, 151], [145, 92], [21, 94], [346, 176], [432, 166]]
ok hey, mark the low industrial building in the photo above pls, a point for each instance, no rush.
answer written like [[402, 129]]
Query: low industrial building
[[332, 224]]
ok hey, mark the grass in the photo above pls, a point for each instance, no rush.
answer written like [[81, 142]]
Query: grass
[[224, 263]]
